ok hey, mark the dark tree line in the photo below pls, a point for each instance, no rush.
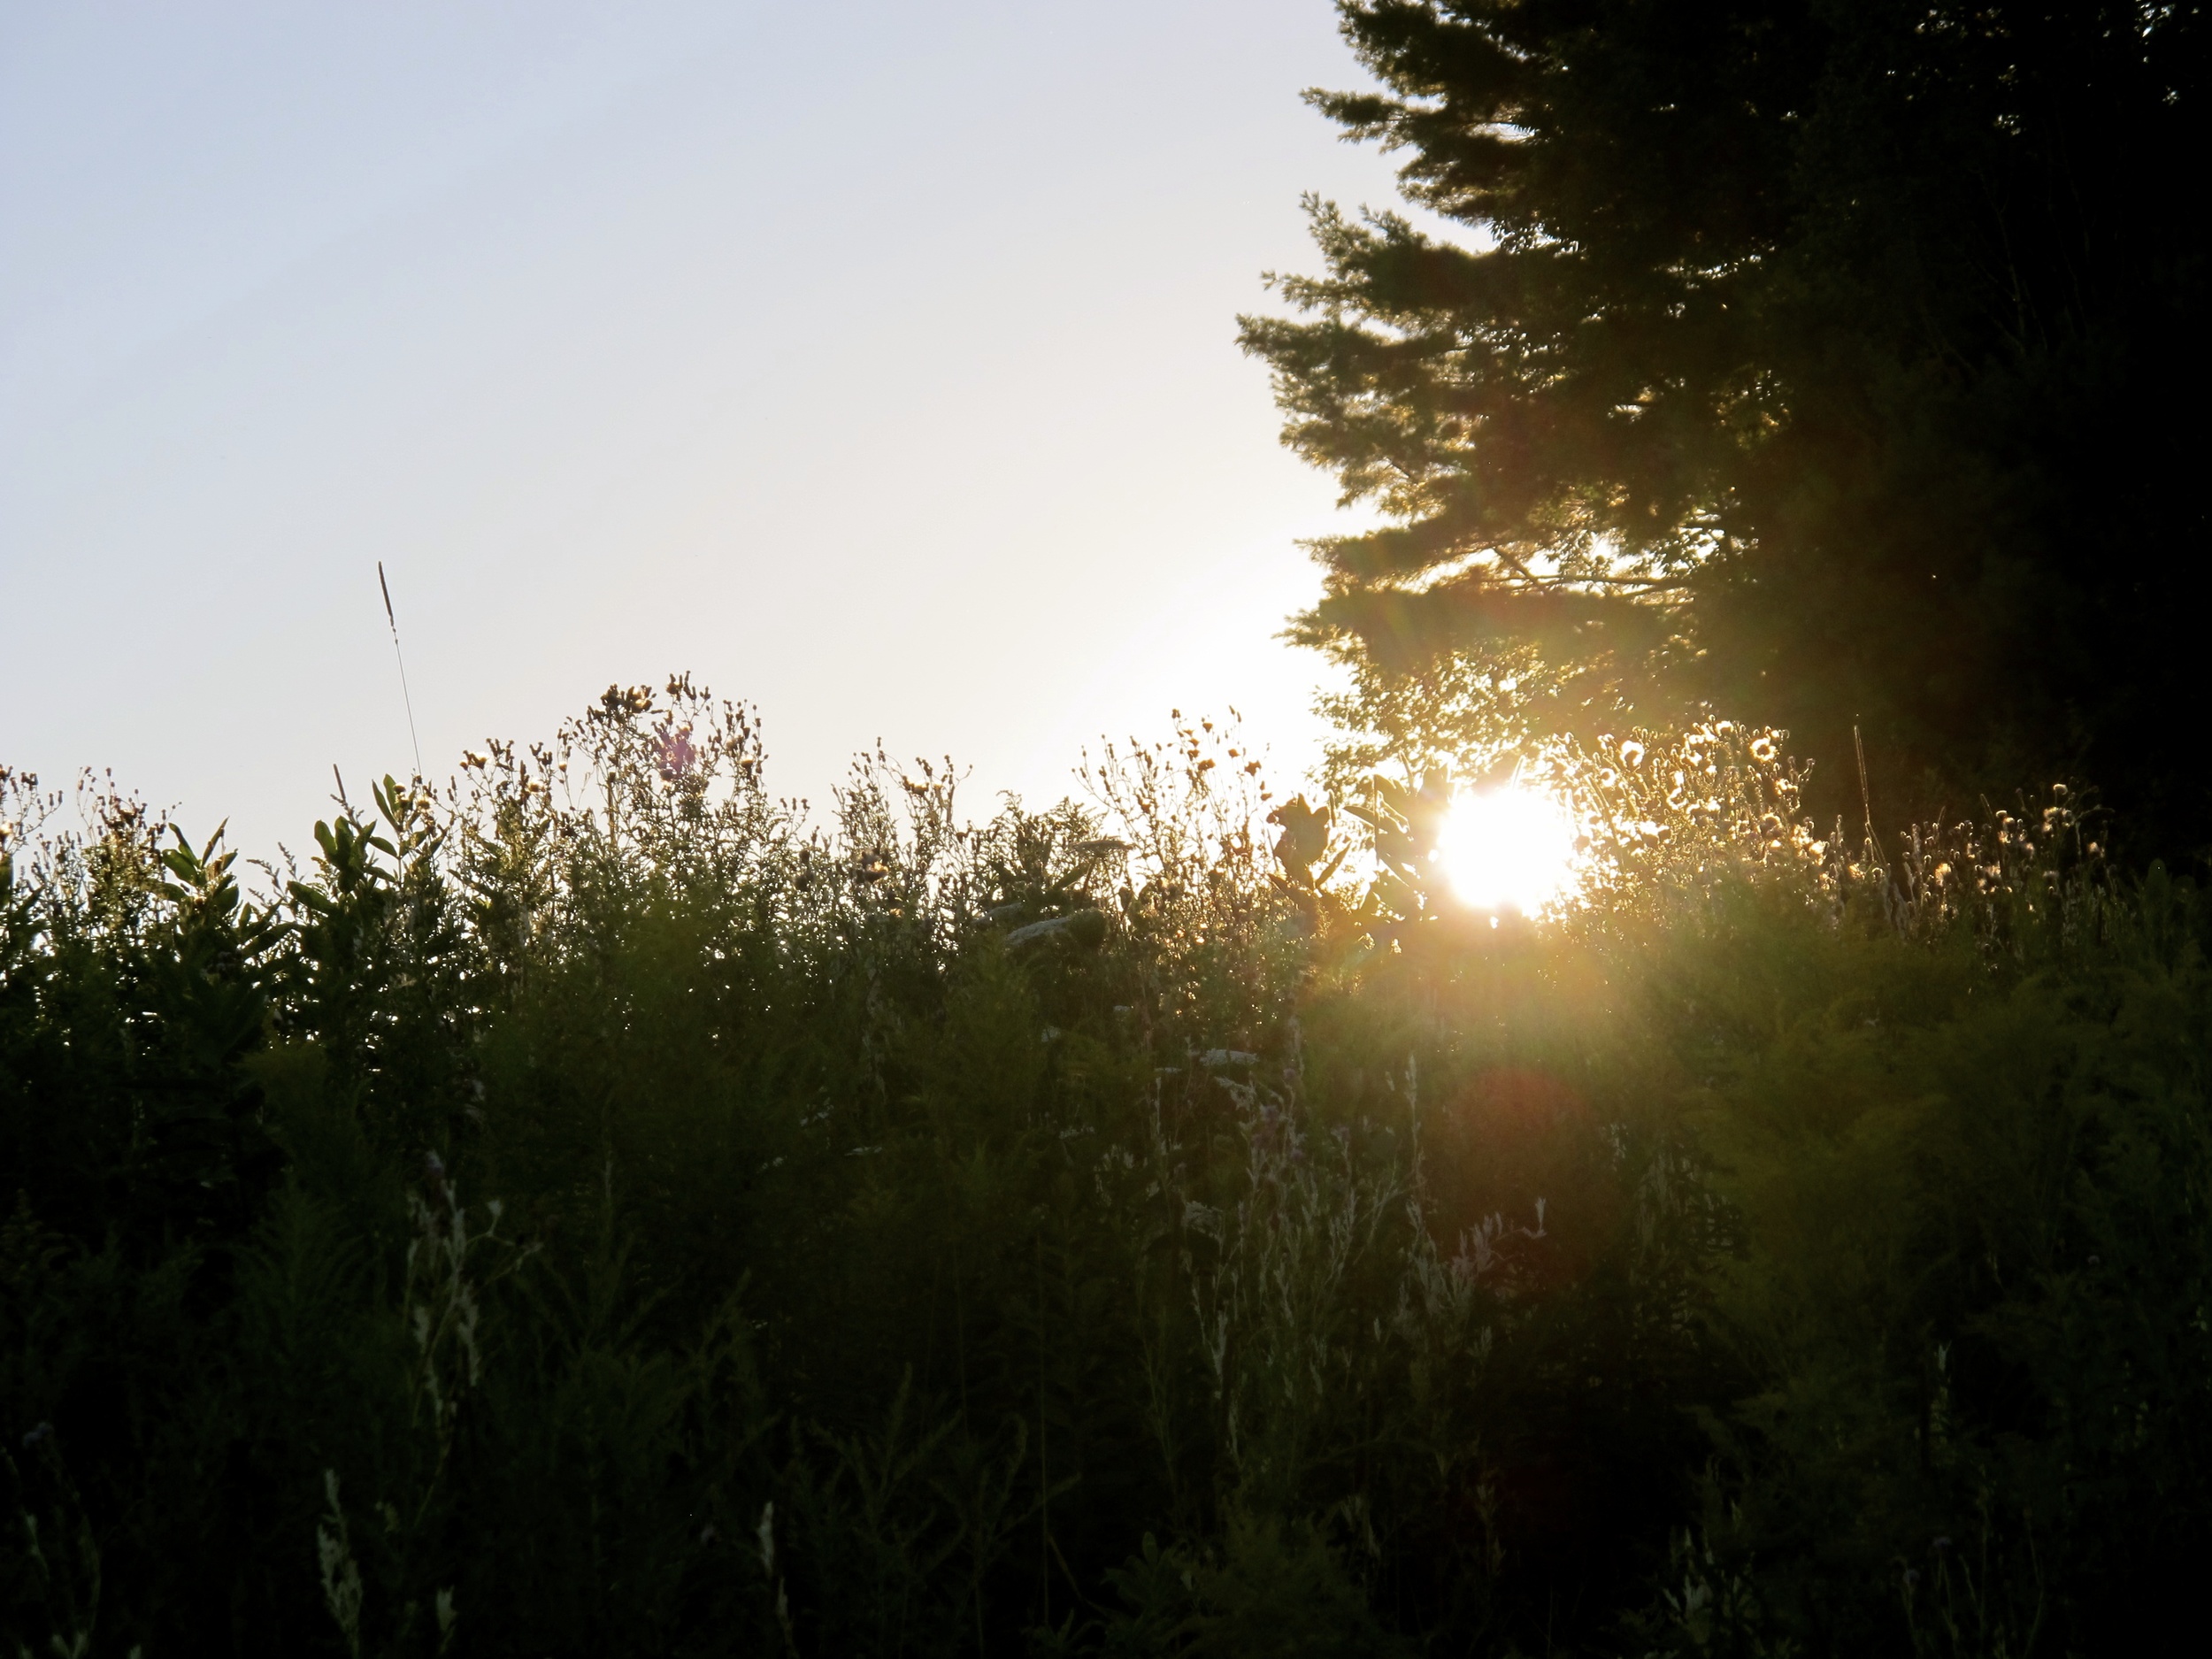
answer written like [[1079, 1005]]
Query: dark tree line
[[1831, 363]]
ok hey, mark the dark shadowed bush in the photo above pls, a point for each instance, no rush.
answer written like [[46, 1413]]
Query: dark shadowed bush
[[596, 1212]]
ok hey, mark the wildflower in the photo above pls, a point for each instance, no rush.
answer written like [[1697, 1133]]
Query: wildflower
[[673, 750], [1762, 751]]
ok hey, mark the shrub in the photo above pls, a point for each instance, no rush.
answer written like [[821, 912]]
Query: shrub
[[595, 1210]]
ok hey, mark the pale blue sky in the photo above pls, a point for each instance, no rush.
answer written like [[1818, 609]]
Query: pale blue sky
[[874, 362]]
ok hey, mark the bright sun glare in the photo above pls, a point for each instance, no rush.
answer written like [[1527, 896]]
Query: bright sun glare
[[1511, 847]]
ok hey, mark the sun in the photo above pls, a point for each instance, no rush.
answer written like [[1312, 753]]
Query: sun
[[1510, 847]]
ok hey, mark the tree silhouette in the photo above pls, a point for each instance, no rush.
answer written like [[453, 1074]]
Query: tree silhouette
[[1834, 364]]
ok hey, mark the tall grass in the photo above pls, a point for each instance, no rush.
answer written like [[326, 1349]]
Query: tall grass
[[594, 1210]]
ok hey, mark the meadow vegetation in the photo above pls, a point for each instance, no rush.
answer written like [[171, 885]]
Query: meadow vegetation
[[595, 1210]]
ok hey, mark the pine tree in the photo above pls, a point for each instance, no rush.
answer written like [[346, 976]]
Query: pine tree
[[1833, 363]]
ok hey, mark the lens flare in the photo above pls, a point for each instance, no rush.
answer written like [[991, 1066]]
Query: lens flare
[[1511, 847]]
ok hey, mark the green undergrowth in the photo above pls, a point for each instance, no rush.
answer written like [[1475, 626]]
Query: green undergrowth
[[592, 1212]]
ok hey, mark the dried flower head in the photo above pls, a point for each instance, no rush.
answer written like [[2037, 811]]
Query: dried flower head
[[673, 750]]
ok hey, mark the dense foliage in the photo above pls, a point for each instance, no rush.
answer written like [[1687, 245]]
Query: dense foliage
[[594, 1214], [1831, 359]]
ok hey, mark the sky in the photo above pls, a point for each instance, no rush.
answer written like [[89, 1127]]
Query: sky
[[874, 362]]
